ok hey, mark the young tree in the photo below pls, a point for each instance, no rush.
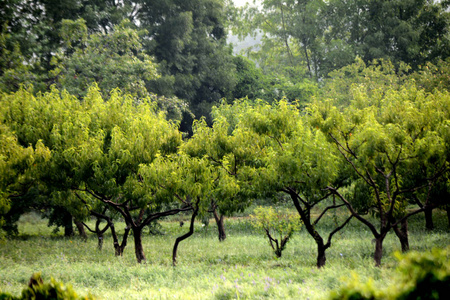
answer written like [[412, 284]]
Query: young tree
[[191, 181], [276, 225]]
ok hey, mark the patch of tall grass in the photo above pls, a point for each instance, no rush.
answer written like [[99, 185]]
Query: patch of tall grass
[[241, 267]]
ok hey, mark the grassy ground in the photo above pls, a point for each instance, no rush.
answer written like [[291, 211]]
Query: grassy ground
[[241, 267]]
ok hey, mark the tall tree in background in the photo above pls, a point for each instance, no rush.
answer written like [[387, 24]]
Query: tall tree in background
[[412, 31], [328, 35], [34, 27], [188, 40]]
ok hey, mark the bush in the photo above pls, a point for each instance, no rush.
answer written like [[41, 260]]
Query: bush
[[420, 276], [276, 224], [37, 289]]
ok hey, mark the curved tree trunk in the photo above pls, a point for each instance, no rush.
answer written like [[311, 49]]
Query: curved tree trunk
[[100, 241], [119, 248], [183, 237], [305, 217], [402, 234], [321, 248], [220, 225]]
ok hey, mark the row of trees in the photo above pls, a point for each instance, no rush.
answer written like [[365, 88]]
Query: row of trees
[[383, 150]]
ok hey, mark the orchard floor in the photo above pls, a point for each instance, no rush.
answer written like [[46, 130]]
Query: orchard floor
[[241, 267]]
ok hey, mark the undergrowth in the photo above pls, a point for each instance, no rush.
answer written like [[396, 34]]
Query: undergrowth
[[241, 267]]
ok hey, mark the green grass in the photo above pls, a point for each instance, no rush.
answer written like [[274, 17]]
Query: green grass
[[243, 266]]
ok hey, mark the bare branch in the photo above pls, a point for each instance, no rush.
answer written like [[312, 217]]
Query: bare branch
[[330, 236], [326, 209]]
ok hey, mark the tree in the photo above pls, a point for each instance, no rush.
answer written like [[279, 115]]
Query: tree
[[188, 40], [323, 36], [433, 76], [113, 60], [298, 31], [232, 153], [413, 31], [13, 71], [384, 138], [35, 24], [97, 149], [376, 77], [343, 85], [20, 168], [188, 180], [275, 225], [291, 152]]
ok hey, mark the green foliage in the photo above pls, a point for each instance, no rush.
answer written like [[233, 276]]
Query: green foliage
[[392, 135], [20, 167], [233, 155], [113, 60], [37, 289], [315, 37], [96, 145], [277, 225], [374, 78], [419, 276], [433, 76], [13, 71], [188, 40]]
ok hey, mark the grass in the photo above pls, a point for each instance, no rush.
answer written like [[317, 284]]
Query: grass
[[241, 267]]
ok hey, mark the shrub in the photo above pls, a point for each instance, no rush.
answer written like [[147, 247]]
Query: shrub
[[420, 276], [37, 289], [276, 224]]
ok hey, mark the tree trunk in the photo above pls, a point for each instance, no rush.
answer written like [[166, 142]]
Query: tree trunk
[[429, 225], [220, 225], [119, 248], [321, 248], [81, 230], [306, 218], [402, 234], [321, 258], [183, 237], [100, 233], [100, 241], [68, 226], [138, 249], [447, 208], [378, 250]]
